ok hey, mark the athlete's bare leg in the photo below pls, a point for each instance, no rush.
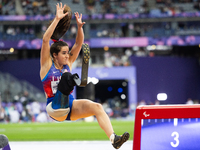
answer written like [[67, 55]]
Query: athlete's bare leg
[[86, 108]]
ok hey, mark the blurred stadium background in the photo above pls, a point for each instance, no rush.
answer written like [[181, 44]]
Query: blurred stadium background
[[140, 49]]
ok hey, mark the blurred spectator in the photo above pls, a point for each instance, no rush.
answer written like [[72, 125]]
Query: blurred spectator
[[122, 59], [18, 30], [151, 54], [116, 60], [19, 107], [2, 114], [141, 53], [14, 115], [90, 7], [132, 108], [128, 52], [106, 8], [36, 109], [196, 101], [24, 98], [137, 30], [73, 31], [157, 102], [189, 101], [107, 109], [1, 11], [42, 117], [142, 102], [26, 31], [197, 5], [168, 3], [26, 116], [107, 60], [10, 31], [125, 60], [144, 8], [76, 1]]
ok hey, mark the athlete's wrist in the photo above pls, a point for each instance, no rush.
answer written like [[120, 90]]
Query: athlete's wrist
[[56, 19]]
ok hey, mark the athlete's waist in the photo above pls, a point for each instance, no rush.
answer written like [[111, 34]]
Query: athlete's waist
[[49, 99]]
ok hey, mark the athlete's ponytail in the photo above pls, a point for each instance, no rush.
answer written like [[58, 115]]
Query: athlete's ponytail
[[63, 24]]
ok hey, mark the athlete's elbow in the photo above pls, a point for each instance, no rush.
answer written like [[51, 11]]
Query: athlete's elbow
[[45, 39]]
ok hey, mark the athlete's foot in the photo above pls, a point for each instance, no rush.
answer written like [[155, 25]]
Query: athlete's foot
[[119, 140]]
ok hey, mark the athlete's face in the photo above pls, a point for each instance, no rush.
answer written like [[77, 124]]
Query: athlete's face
[[63, 55]]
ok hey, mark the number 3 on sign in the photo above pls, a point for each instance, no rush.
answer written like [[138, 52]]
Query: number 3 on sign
[[176, 139]]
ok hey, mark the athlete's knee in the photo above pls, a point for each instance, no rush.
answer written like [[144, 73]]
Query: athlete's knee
[[98, 107], [67, 83]]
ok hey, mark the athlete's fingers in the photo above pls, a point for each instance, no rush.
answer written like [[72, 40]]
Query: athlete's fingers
[[64, 6], [57, 6], [66, 13]]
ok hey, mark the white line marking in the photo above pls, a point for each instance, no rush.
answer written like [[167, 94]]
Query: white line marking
[[175, 122]]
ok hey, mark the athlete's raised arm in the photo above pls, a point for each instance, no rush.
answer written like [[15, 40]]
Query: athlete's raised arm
[[45, 58], [79, 38]]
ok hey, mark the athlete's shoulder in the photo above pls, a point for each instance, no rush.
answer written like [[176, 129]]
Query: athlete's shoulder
[[45, 68]]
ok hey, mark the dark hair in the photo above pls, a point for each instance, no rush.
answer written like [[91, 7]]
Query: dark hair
[[56, 47], [63, 25]]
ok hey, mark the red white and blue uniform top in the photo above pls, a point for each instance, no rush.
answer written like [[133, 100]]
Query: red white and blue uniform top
[[51, 80]]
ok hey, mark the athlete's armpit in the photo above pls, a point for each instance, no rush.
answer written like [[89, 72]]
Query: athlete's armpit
[[70, 53]]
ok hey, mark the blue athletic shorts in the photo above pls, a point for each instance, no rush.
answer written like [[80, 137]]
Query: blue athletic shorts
[[71, 99]]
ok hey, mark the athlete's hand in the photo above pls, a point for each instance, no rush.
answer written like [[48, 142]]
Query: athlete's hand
[[60, 11], [79, 19]]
